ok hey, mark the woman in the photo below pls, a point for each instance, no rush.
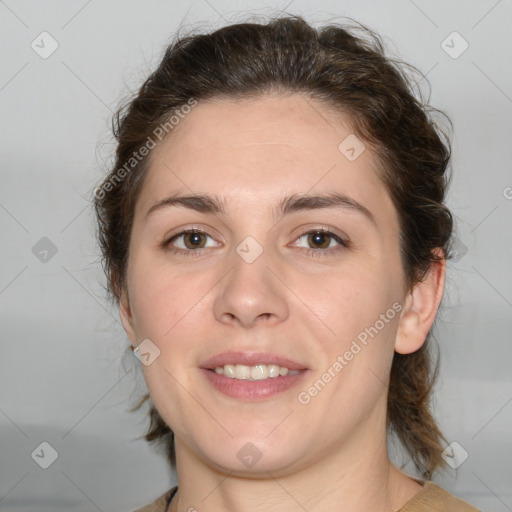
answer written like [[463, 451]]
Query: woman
[[275, 233]]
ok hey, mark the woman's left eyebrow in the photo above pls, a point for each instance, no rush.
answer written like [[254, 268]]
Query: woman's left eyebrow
[[296, 203], [289, 204]]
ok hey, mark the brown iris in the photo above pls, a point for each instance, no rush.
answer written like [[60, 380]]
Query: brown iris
[[321, 240], [193, 240]]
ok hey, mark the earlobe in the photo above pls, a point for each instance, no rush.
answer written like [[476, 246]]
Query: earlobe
[[126, 317], [421, 306]]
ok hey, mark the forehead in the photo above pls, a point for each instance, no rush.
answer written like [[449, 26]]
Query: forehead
[[270, 146]]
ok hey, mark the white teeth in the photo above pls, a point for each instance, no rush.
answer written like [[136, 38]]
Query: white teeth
[[273, 370], [242, 372], [229, 370], [258, 372]]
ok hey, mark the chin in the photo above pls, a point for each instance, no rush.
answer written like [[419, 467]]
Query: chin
[[253, 462], [243, 457]]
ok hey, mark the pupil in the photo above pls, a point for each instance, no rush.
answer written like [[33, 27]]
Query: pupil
[[320, 239], [194, 239]]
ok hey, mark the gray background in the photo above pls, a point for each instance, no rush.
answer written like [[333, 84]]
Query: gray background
[[64, 375]]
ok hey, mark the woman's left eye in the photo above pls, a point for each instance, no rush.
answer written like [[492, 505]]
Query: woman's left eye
[[321, 239]]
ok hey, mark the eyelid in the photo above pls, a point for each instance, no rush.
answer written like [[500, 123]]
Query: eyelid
[[320, 228], [185, 231], [199, 228]]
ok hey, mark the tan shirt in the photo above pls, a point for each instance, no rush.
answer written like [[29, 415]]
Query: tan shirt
[[431, 498]]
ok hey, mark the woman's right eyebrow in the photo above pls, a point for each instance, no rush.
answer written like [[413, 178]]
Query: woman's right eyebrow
[[291, 203], [199, 203]]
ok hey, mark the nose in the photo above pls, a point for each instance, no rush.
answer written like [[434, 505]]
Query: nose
[[251, 293]]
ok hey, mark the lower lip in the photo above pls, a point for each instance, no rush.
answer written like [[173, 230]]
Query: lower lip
[[253, 389]]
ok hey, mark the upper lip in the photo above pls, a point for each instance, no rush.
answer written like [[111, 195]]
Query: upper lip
[[250, 359]]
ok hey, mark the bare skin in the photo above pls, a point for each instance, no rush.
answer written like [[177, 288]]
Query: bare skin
[[304, 298]]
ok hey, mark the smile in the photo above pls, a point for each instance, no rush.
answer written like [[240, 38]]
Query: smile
[[257, 372]]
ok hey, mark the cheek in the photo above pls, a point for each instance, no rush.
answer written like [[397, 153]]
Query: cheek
[[361, 308], [352, 300], [169, 308], [164, 301]]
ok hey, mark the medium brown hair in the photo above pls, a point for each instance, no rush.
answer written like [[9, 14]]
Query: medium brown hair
[[345, 67]]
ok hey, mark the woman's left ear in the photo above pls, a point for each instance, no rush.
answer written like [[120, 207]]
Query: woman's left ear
[[420, 309]]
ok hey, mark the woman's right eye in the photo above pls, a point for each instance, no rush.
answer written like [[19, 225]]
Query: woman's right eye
[[190, 240]]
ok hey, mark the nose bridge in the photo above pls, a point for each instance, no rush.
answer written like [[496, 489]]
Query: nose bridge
[[251, 291]]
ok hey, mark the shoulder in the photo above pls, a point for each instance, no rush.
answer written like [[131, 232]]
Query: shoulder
[[160, 504], [431, 498], [434, 498]]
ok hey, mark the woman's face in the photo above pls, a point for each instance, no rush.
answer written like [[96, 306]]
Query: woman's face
[[259, 283]]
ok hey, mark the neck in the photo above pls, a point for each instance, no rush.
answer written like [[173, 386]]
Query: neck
[[357, 477]]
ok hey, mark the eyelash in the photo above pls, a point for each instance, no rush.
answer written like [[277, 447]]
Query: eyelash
[[345, 244]]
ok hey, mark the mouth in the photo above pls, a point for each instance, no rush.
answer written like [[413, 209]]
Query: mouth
[[257, 372], [252, 376]]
